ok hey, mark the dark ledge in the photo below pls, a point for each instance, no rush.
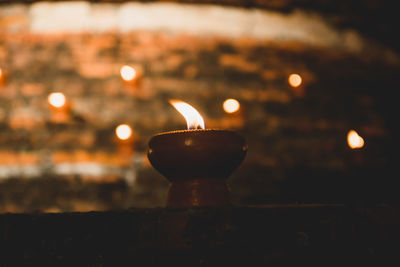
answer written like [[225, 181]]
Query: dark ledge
[[280, 235]]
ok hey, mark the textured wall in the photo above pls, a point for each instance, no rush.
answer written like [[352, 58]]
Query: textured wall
[[297, 136]]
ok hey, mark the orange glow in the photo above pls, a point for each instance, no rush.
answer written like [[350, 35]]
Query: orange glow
[[295, 80], [231, 105], [57, 99], [123, 131], [354, 140], [191, 115], [128, 73], [1, 73]]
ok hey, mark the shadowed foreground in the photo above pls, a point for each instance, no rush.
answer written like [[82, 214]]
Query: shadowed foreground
[[276, 235]]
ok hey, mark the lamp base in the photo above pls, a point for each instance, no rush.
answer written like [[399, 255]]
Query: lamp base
[[197, 163], [198, 193]]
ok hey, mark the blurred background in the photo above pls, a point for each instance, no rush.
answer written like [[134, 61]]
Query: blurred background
[[83, 87]]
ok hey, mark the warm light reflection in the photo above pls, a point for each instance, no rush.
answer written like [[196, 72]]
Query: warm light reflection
[[295, 80], [57, 99], [128, 73], [192, 116], [354, 140], [1, 76], [123, 131], [231, 105]]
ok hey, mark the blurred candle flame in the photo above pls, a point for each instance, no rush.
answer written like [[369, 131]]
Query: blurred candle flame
[[123, 131], [57, 99], [354, 140], [295, 80], [191, 115], [128, 73], [231, 105]]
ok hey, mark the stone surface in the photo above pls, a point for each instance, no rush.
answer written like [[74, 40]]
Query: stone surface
[[278, 235]]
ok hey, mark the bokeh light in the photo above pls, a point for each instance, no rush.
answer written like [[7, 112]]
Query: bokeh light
[[123, 131], [295, 80], [231, 105], [354, 140], [128, 73], [57, 99]]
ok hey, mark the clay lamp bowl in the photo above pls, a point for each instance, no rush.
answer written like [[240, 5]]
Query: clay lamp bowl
[[197, 163]]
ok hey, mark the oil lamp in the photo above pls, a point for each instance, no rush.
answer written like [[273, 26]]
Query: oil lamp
[[126, 141], [60, 107], [196, 161], [131, 76]]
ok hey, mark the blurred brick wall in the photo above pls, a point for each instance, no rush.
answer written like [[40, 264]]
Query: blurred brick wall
[[297, 136]]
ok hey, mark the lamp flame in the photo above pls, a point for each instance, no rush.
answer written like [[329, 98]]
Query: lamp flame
[[191, 115]]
